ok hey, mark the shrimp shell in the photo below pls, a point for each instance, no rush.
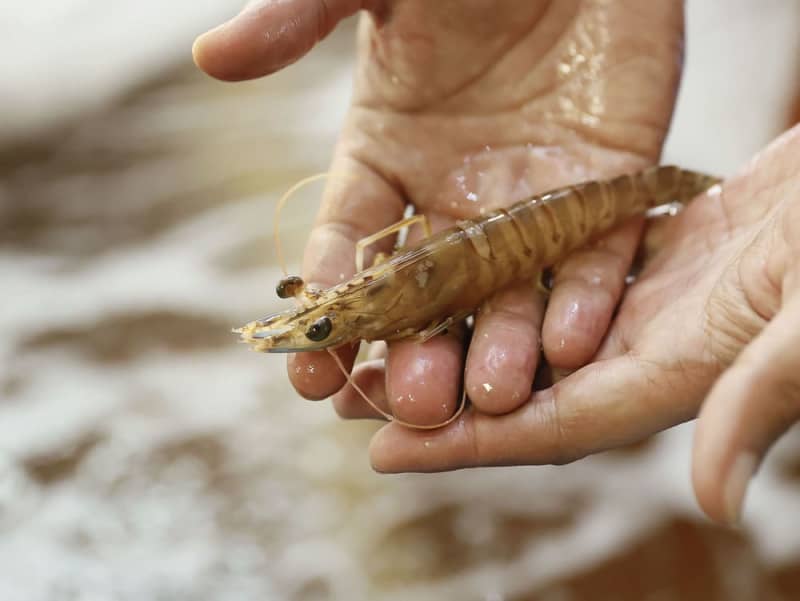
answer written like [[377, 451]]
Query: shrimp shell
[[420, 291]]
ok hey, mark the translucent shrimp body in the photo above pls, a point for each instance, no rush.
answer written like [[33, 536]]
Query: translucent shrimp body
[[420, 291]]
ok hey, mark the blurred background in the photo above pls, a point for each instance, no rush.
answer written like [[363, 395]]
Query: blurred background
[[146, 456]]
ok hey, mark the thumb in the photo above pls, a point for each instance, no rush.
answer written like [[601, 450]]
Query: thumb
[[268, 35], [754, 402]]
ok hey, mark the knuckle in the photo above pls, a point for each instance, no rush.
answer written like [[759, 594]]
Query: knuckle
[[513, 306], [561, 452], [596, 267]]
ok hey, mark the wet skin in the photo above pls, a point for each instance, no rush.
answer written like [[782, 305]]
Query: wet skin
[[553, 93], [713, 319]]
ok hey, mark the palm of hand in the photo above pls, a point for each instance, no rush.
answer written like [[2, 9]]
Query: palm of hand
[[459, 126], [713, 286]]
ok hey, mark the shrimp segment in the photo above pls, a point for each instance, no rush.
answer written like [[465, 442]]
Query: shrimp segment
[[447, 276]]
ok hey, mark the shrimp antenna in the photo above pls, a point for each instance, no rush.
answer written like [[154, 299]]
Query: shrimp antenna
[[389, 416], [282, 201]]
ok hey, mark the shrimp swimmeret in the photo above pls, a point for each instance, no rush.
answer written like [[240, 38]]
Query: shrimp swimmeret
[[421, 291]]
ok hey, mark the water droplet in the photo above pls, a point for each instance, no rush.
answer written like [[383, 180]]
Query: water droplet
[[487, 387], [589, 120]]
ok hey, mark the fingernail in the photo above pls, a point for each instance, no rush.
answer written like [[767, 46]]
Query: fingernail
[[742, 470]]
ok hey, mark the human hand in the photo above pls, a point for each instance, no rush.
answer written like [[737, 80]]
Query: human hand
[[460, 107], [715, 315]]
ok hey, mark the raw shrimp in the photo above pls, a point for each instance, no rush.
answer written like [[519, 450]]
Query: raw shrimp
[[420, 292]]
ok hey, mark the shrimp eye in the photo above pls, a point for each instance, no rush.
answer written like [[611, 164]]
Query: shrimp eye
[[289, 286], [320, 329]]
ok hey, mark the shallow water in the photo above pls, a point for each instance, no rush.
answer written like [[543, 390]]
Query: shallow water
[[147, 456]]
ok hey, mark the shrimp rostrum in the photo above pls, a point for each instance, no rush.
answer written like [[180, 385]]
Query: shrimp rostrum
[[421, 291]]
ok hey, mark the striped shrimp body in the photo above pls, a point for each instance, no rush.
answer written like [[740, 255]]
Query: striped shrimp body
[[422, 290]]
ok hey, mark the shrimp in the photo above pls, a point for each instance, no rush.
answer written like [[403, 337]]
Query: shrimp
[[420, 292]]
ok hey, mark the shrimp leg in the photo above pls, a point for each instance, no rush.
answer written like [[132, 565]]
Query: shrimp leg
[[388, 231], [435, 329]]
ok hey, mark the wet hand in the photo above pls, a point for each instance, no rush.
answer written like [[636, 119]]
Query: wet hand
[[460, 107], [714, 320]]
